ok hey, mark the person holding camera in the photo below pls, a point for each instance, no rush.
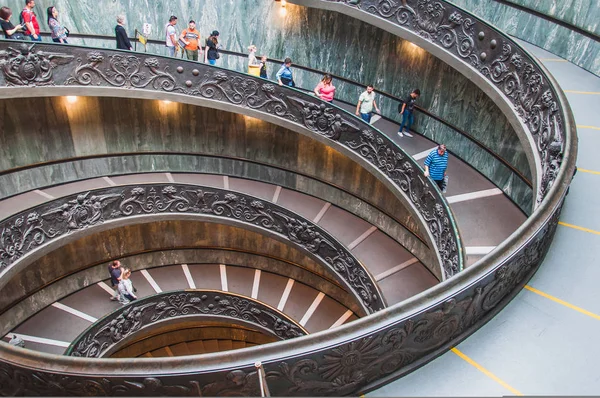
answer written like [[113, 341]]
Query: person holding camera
[[11, 32]]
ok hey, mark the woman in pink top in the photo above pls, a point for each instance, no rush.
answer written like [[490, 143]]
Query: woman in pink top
[[325, 89]]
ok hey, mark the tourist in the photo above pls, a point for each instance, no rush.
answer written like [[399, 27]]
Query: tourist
[[171, 36], [263, 67], [16, 341], [123, 42], [284, 75], [32, 27], [436, 165], [366, 103], [406, 110], [126, 287], [325, 89], [11, 32], [57, 31], [190, 37], [211, 52], [114, 270], [252, 61]]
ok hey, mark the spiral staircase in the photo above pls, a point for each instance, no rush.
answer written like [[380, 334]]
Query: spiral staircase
[[301, 211]]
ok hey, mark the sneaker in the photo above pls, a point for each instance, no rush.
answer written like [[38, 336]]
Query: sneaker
[[400, 134], [408, 134], [113, 298]]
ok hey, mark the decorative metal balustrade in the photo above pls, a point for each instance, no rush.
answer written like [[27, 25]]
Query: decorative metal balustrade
[[366, 353], [49, 66], [110, 332], [48, 223]]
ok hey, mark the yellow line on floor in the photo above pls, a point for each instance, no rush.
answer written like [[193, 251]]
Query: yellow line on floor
[[553, 60], [579, 126], [591, 231], [485, 371], [588, 171], [582, 92], [559, 301]]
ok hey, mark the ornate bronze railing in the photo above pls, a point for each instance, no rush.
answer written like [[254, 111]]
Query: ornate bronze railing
[[112, 331], [45, 225], [58, 70], [373, 350]]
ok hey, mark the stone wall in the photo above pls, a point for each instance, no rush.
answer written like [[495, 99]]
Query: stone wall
[[564, 42], [333, 42]]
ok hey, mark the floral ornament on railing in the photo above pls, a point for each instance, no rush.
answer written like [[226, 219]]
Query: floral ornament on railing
[[123, 323], [512, 71], [122, 71], [25, 232]]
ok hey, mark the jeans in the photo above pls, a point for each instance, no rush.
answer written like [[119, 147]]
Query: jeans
[[407, 120], [212, 61], [192, 54], [172, 51], [32, 39], [366, 117]]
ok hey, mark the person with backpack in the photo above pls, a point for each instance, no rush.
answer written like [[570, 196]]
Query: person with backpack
[[11, 32], [30, 22], [406, 110]]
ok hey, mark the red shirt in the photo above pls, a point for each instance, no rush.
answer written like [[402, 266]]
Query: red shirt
[[29, 16]]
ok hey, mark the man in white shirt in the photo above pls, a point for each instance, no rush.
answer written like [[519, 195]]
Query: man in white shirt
[[171, 36], [366, 103]]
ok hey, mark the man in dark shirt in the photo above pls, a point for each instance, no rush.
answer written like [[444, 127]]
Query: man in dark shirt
[[114, 269], [407, 112], [123, 42]]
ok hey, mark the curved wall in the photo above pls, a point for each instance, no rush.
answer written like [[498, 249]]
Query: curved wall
[[564, 42], [345, 46]]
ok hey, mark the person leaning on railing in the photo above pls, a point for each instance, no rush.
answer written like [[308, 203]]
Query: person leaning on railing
[[11, 32]]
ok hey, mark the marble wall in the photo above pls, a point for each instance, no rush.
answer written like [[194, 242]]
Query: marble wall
[[329, 41], [579, 49], [584, 14]]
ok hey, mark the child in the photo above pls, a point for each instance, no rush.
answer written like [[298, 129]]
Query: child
[[263, 67]]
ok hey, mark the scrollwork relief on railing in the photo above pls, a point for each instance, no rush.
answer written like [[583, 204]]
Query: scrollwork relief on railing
[[344, 369], [25, 232], [103, 335], [137, 71], [503, 63]]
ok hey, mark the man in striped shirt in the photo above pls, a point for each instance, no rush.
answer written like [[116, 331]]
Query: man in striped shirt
[[435, 166]]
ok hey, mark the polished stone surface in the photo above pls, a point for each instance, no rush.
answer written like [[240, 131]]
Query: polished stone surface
[[561, 41], [333, 42]]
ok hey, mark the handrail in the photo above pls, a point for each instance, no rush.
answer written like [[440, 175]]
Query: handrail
[[87, 71], [368, 352], [109, 333], [44, 226], [430, 114]]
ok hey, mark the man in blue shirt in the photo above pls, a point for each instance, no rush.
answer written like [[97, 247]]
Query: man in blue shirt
[[436, 165]]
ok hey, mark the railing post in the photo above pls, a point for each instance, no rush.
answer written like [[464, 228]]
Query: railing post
[[262, 380]]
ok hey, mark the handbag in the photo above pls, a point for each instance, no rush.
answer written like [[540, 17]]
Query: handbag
[[67, 31]]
